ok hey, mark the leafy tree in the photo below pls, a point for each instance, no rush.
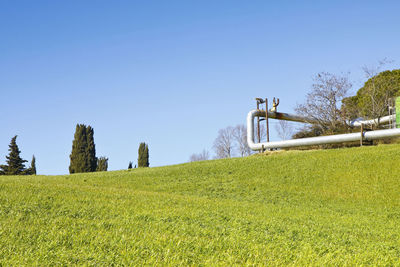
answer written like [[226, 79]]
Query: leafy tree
[[350, 109], [143, 159], [83, 154], [372, 100], [15, 164], [130, 165], [102, 164]]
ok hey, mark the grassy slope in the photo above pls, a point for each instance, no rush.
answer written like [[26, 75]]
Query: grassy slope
[[316, 207]]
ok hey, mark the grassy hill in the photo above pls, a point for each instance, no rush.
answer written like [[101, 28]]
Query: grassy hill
[[330, 207]]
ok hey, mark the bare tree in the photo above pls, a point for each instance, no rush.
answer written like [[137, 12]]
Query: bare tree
[[263, 132], [371, 71], [240, 136], [224, 143], [204, 155], [378, 98], [323, 102], [284, 129]]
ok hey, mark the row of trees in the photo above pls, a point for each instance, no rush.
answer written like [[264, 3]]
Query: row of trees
[[82, 158], [15, 165], [204, 155], [230, 142], [83, 155]]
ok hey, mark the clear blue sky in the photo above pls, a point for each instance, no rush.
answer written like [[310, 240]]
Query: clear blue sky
[[170, 73]]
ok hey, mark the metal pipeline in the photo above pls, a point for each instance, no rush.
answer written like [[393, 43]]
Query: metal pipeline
[[297, 118], [320, 140], [357, 123]]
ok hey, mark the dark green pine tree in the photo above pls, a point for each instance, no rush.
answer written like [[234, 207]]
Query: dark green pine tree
[[130, 165], [78, 159], [102, 164], [15, 164], [91, 150], [33, 166], [143, 159]]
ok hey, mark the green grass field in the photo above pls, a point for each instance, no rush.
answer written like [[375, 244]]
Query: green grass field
[[327, 207]]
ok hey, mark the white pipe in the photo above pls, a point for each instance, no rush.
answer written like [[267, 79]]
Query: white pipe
[[319, 140], [357, 123], [297, 118]]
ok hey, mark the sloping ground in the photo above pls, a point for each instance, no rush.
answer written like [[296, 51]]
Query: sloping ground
[[332, 207]]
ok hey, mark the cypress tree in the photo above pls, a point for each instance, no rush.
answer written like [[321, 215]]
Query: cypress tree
[[78, 158], [32, 169], [130, 165], [15, 164], [102, 164], [91, 150], [83, 154], [143, 159]]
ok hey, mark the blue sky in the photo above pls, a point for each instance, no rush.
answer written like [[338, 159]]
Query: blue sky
[[170, 73]]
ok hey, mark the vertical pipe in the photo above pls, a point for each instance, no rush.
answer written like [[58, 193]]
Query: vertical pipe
[[362, 134], [266, 117], [258, 123], [397, 112]]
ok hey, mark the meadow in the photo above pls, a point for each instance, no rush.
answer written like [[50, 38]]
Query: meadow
[[323, 207]]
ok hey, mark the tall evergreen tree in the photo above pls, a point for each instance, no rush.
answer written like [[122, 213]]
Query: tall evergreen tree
[[15, 164], [91, 149], [146, 155], [102, 164], [32, 169], [143, 159], [130, 165], [79, 145], [83, 154]]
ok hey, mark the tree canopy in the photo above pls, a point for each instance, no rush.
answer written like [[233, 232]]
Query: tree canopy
[[372, 100]]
